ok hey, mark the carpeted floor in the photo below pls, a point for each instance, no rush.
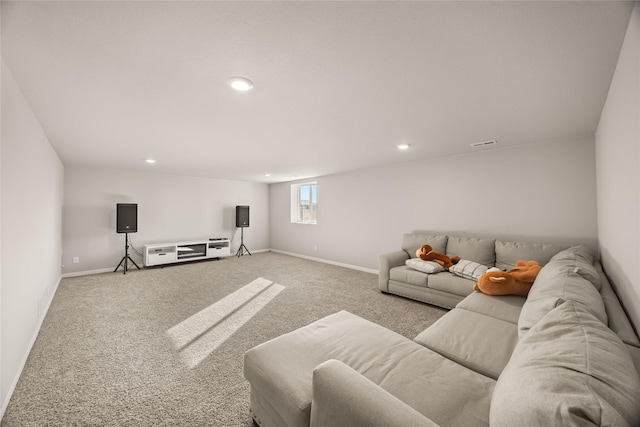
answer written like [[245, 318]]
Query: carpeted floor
[[104, 356]]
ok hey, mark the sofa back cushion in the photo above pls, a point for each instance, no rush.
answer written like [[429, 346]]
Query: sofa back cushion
[[507, 253], [569, 369], [562, 279], [582, 259], [411, 242], [469, 248], [476, 341]]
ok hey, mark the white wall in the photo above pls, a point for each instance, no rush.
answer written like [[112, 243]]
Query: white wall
[[618, 174], [32, 193], [170, 208], [540, 192]]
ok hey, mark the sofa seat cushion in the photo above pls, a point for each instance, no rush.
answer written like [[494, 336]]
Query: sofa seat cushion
[[569, 369], [503, 307], [443, 391], [406, 274], [563, 279], [449, 282], [478, 342], [430, 296], [280, 371], [344, 398], [508, 253], [479, 250]]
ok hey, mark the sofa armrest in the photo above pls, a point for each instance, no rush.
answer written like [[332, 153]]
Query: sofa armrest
[[342, 397], [386, 263]]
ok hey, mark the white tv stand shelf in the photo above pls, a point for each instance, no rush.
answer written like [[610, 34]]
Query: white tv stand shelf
[[167, 253]]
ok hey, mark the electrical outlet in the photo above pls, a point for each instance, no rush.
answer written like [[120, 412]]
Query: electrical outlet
[[76, 260]]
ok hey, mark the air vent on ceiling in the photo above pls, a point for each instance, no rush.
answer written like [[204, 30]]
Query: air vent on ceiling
[[484, 144]]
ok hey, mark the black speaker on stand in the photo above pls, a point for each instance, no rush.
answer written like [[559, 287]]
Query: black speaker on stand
[[126, 222], [242, 221]]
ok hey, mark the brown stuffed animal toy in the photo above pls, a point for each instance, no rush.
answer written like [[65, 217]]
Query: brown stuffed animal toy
[[426, 253], [517, 281]]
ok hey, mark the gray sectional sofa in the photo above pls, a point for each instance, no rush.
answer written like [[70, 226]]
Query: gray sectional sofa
[[447, 289], [565, 355]]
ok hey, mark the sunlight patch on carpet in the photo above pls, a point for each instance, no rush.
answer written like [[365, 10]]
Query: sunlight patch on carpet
[[200, 334]]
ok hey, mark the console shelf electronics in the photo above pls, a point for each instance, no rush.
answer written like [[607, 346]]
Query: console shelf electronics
[[167, 253]]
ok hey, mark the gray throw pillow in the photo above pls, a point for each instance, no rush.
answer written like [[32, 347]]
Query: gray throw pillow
[[428, 267]]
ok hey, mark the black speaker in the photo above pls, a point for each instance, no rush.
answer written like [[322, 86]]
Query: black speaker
[[126, 218], [242, 216]]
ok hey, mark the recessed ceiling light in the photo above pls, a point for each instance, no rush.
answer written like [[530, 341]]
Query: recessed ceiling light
[[402, 146], [267, 174], [241, 84], [150, 161]]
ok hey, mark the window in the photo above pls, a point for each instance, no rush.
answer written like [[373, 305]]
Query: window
[[304, 203]]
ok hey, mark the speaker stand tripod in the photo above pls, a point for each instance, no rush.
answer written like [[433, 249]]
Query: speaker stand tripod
[[126, 258], [242, 247]]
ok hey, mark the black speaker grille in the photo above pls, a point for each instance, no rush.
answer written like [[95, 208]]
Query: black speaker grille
[[127, 218], [242, 216]]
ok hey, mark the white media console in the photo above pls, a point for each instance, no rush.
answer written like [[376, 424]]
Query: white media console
[[167, 253]]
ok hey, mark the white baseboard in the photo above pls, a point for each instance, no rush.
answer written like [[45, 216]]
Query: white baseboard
[[110, 270], [326, 261], [34, 336], [253, 251], [87, 273]]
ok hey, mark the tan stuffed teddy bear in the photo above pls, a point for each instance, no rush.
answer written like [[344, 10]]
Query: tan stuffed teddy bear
[[517, 281], [426, 253]]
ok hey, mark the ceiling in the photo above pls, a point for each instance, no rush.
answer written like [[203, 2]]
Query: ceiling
[[337, 84]]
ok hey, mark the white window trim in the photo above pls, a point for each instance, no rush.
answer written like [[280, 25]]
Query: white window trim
[[295, 202]]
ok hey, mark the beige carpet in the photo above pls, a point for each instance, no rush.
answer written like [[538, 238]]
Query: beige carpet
[[164, 346]]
